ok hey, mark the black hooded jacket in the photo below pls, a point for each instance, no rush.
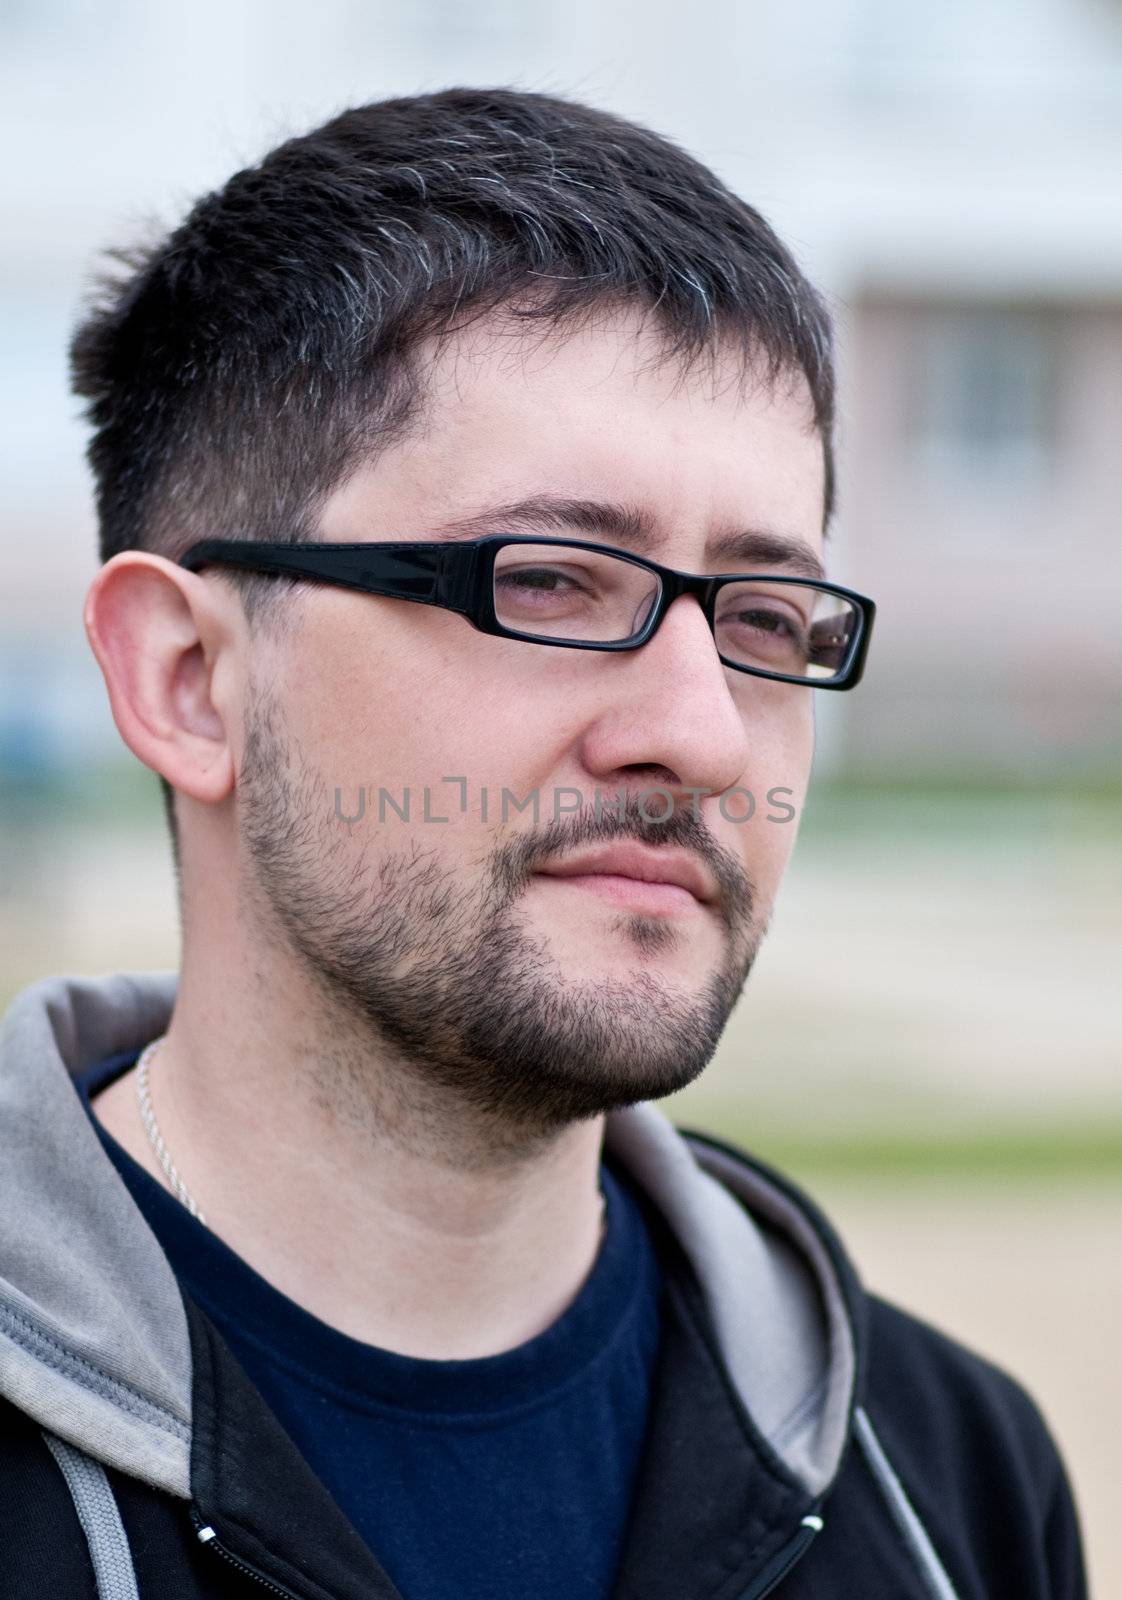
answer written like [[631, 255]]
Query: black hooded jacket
[[806, 1439]]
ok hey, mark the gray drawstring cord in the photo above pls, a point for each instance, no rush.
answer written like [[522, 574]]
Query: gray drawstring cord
[[100, 1518], [904, 1514]]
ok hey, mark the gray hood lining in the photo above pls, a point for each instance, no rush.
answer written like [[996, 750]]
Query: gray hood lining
[[815, 1450], [758, 1282], [93, 1334]]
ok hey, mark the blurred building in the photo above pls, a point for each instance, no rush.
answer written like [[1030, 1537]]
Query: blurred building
[[949, 174], [985, 482]]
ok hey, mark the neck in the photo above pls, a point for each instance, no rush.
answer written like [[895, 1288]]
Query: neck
[[375, 1202]]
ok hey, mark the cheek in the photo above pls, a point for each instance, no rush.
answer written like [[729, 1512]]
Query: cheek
[[797, 747], [787, 780], [780, 728], [781, 751], [379, 704]]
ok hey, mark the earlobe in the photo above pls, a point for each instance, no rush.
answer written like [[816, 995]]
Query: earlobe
[[159, 634]]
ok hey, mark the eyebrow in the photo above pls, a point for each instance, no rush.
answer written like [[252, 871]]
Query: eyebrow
[[636, 530]]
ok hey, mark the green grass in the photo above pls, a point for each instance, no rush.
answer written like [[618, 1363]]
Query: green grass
[[116, 794], [1101, 784], [1032, 1155], [946, 811]]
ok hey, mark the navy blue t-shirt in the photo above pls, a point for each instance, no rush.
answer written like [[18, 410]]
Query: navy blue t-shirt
[[492, 1479]]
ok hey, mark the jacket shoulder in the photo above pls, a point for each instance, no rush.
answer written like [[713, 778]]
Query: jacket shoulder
[[932, 1381], [970, 1445]]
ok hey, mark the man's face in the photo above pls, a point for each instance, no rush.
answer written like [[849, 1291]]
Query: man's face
[[538, 998]]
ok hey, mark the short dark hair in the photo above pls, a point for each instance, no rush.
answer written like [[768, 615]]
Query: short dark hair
[[239, 368]]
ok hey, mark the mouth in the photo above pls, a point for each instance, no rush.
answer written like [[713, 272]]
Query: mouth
[[637, 877]]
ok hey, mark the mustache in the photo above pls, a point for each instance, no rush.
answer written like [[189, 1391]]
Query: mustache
[[516, 860]]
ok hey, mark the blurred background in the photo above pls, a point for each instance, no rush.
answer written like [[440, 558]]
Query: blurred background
[[932, 1039]]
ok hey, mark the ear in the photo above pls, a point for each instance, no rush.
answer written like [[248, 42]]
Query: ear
[[171, 648]]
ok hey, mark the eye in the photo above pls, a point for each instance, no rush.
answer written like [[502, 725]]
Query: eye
[[549, 580], [764, 619], [759, 628], [572, 593]]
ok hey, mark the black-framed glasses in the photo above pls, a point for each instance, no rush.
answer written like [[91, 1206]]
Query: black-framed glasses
[[583, 596]]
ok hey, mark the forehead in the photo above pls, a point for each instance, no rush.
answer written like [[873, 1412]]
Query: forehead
[[598, 412]]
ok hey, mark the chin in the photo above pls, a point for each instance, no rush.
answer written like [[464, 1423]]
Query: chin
[[627, 939]]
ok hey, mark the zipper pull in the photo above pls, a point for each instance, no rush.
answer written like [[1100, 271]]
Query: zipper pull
[[208, 1536], [780, 1565]]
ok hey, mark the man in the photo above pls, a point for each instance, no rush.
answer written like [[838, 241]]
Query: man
[[463, 472]]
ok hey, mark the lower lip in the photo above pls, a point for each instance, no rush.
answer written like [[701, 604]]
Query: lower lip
[[633, 893]]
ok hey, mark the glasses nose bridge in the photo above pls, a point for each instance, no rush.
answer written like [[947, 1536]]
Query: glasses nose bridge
[[677, 584]]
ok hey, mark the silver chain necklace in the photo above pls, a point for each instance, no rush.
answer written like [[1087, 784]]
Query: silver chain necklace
[[151, 1128], [163, 1156]]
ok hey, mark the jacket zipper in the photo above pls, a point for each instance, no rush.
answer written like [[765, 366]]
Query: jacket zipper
[[780, 1564], [207, 1536], [769, 1579]]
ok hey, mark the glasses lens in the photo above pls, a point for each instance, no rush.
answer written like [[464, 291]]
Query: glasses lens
[[562, 592], [790, 628]]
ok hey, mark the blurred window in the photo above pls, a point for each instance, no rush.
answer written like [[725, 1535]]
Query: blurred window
[[982, 54], [486, 23], [60, 27], [983, 393]]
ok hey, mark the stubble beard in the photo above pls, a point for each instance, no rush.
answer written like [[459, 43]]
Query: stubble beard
[[460, 1000]]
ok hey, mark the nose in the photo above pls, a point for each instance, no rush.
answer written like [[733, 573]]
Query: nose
[[668, 706]]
